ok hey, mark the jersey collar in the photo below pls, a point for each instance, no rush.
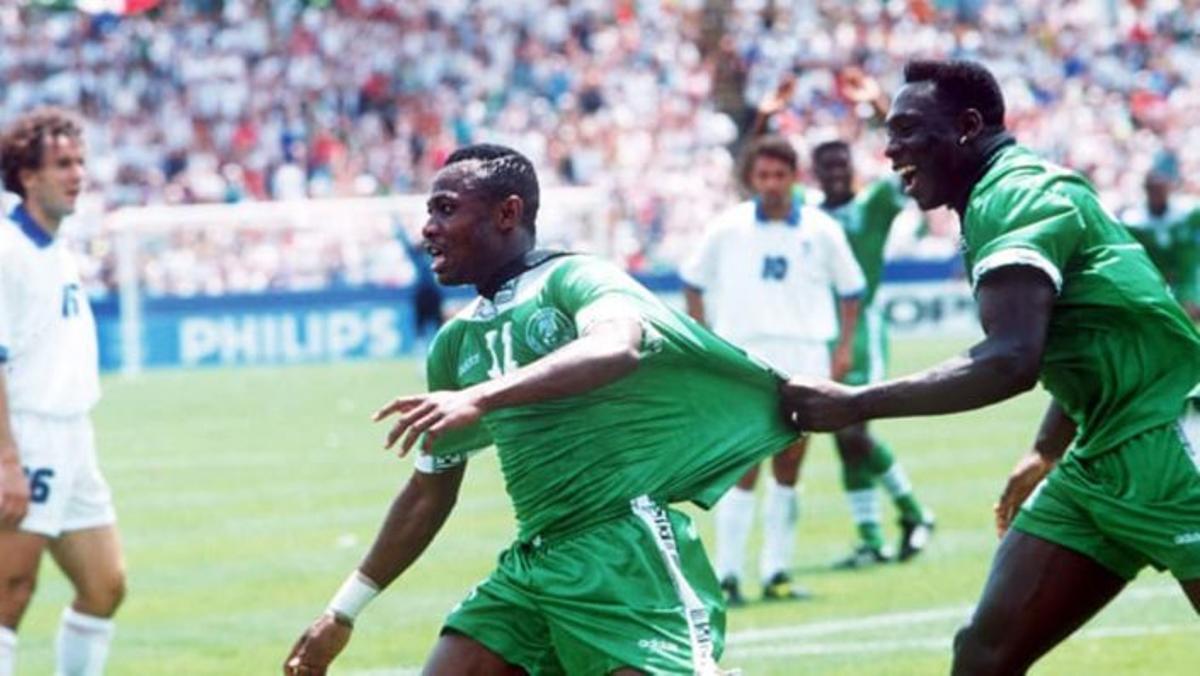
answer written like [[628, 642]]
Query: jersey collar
[[510, 270], [793, 217], [32, 230]]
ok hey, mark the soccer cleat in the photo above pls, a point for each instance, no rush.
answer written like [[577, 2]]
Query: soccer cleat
[[781, 588], [864, 556], [732, 592], [914, 535]]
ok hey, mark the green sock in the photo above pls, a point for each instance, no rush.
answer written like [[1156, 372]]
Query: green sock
[[895, 481], [859, 483], [871, 534]]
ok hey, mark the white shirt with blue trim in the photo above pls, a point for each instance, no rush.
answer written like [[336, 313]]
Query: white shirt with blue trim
[[47, 332], [773, 279]]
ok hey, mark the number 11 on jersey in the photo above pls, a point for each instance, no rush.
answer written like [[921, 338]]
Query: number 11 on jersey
[[500, 348]]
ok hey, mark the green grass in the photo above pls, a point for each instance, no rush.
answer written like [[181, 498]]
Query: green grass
[[246, 496]]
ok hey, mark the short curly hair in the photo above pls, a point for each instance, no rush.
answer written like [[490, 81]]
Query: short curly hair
[[23, 144], [961, 84]]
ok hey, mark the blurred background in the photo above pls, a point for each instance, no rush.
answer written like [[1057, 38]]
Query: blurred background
[[257, 178], [639, 106]]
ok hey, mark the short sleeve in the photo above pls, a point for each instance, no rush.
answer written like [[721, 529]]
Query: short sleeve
[[453, 448], [700, 269], [590, 290], [7, 311], [847, 275], [1032, 228], [885, 200]]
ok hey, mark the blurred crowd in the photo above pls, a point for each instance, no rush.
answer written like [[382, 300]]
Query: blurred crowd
[[645, 101]]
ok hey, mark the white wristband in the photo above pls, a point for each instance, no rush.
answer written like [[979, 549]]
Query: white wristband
[[355, 593]]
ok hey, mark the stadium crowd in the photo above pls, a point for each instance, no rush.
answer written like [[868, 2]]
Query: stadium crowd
[[234, 100]]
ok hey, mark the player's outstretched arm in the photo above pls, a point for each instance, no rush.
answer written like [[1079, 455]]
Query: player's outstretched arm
[[14, 488], [843, 352], [1053, 438], [607, 351], [1015, 304], [415, 517]]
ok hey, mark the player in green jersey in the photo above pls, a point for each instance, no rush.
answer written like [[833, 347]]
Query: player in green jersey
[[605, 407], [1170, 233], [1066, 295], [866, 217]]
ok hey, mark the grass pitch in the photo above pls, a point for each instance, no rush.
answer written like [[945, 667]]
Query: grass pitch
[[246, 496]]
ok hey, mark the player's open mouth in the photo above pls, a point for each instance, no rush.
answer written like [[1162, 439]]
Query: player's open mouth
[[908, 177], [437, 254]]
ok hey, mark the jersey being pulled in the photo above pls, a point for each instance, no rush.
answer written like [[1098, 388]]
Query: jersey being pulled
[[47, 333], [867, 220], [772, 279], [1172, 239], [683, 426], [1121, 356]]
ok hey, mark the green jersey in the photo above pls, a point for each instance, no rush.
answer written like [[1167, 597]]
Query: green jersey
[[867, 220], [683, 426], [1120, 356], [1172, 239]]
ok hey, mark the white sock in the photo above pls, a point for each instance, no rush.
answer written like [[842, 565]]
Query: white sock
[[83, 640], [781, 510], [735, 518], [8, 652], [864, 505], [896, 481]]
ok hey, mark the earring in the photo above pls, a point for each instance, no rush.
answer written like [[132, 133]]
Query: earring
[[962, 140]]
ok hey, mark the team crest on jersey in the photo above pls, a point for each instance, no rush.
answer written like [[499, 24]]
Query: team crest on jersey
[[547, 330]]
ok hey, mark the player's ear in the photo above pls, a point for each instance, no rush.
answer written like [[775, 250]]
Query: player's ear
[[509, 213], [970, 124]]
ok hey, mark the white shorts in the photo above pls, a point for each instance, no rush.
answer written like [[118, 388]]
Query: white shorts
[[66, 490], [791, 356]]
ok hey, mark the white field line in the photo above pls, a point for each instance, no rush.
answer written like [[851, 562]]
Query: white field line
[[741, 644], [905, 618], [939, 644]]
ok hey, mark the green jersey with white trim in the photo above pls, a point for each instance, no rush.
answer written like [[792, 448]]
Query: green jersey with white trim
[[1120, 356], [867, 221], [1172, 239], [687, 422]]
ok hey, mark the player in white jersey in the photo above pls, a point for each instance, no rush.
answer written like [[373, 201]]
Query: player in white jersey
[[765, 278], [52, 495]]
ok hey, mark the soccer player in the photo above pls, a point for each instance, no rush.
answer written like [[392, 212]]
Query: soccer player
[[1170, 233], [1067, 295], [605, 407], [866, 217], [764, 278], [52, 495]]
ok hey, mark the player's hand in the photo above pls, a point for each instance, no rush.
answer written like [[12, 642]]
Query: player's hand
[[776, 101], [816, 405], [14, 492], [860, 87], [433, 414], [841, 361], [317, 647], [1028, 473]]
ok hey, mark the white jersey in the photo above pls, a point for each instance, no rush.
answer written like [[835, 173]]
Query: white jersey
[[47, 333], [773, 279]]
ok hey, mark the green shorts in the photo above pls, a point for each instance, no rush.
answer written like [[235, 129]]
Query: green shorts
[[636, 591], [1136, 505], [868, 363]]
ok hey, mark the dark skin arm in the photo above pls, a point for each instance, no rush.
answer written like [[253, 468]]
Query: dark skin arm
[[416, 515], [695, 303], [847, 323], [1015, 305], [607, 351], [1053, 439]]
